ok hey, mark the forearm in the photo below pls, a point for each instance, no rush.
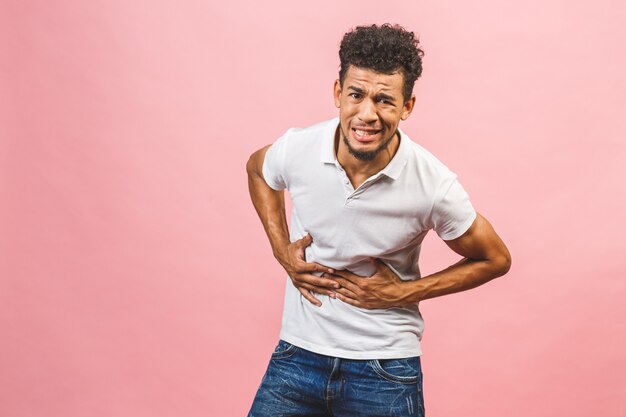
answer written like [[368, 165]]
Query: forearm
[[269, 205], [485, 257], [464, 275]]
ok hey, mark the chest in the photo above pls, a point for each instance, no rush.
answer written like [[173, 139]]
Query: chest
[[380, 216]]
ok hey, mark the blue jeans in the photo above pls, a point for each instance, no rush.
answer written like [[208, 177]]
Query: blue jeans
[[302, 383]]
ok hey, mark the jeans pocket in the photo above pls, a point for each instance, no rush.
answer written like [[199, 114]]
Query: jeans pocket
[[283, 350], [404, 371]]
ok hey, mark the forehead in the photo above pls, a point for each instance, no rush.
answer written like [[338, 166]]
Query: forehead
[[367, 78]]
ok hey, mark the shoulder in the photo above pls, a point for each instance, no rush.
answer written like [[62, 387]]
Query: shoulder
[[316, 131], [308, 142], [426, 164]]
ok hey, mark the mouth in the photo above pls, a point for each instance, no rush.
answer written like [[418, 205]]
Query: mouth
[[365, 135]]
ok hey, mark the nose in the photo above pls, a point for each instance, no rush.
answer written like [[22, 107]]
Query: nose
[[367, 112]]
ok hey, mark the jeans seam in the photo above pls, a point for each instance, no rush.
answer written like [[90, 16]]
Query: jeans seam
[[284, 354], [408, 380], [337, 361]]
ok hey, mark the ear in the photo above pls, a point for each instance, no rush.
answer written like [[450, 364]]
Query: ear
[[407, 108], [337, 93]]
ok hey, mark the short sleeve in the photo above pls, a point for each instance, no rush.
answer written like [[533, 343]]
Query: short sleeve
[[274, 164], [452, 212]]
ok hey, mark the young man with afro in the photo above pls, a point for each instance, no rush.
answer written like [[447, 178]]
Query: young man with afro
[[364, 196]]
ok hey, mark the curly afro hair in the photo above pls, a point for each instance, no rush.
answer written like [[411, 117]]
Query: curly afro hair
[[385, 49]]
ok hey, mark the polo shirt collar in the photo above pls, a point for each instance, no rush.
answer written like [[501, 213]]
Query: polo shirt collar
[[393, 168], [327, 154]]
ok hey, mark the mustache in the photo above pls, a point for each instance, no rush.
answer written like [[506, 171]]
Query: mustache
[[366, 127]]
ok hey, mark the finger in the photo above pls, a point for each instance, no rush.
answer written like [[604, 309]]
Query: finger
[[314, 267], [349, 285], [378, 264], [316, 281], [348, 276], [319, 290], [306, 294], [305, 241], [341, 273], [347, 293], [349, 300]]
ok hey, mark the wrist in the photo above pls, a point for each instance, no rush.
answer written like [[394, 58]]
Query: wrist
[[411, 292], [281, 254]]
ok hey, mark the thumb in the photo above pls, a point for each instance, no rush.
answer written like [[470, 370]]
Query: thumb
[[378, 264], [304, 241]]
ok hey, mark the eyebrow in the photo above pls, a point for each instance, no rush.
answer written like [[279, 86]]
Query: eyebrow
[[385, 97], [378, 96], [356, 89]]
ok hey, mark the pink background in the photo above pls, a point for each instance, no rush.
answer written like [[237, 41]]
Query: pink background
[[135, 278]]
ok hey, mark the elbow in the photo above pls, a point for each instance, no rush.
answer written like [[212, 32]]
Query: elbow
[[251, 165], [503, 263], [254, 166]]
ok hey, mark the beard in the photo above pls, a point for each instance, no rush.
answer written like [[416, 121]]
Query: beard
[[366, 155]]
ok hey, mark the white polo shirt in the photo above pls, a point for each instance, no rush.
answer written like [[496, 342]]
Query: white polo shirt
[[387, 217]]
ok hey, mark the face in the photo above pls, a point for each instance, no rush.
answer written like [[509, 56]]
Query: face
[[371, 106]]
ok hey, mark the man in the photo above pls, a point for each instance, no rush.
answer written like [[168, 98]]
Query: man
[[364, 197]]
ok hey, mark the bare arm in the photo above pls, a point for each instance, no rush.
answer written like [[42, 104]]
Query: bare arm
[[485, 258], [270, 206]]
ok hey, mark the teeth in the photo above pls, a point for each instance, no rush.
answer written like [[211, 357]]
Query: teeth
[[364, 133]]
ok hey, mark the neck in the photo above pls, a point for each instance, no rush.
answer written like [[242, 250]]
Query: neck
[[359, 169]]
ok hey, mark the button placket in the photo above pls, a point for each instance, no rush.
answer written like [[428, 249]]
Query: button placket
[[351, 193], [347, 185]]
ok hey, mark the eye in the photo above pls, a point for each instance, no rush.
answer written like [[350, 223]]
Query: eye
[[355, 96]]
